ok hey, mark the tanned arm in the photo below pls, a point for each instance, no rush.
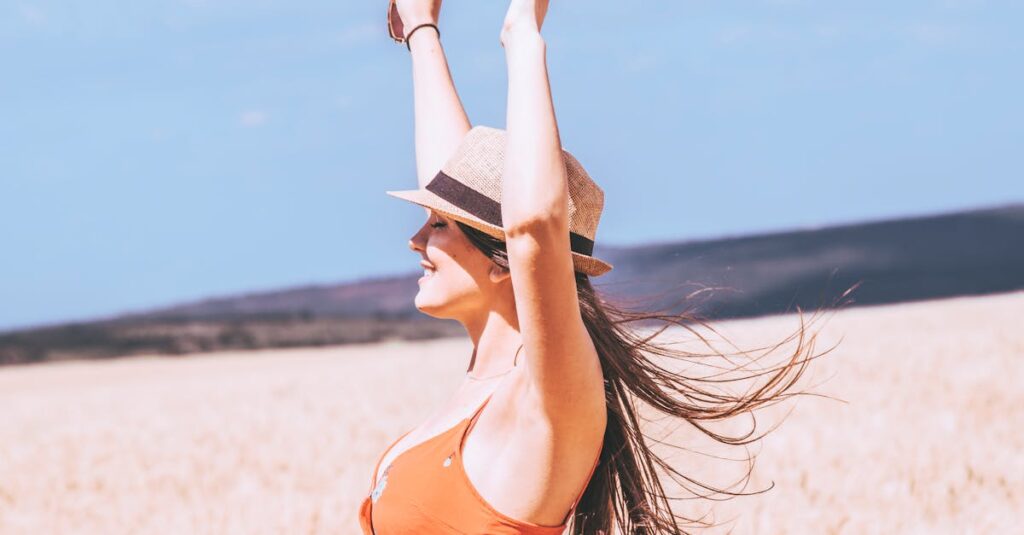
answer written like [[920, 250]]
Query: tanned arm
[[562, 363], [440, 120]]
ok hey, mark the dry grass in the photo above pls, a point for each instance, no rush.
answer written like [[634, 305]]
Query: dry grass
[[929, 441]]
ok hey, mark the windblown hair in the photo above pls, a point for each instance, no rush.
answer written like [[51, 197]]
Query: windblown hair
[[625, 490]]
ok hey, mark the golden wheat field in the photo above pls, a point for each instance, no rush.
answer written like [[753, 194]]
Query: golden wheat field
[[928, 437]]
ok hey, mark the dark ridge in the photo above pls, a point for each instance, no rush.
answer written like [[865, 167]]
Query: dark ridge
[[964, 253]]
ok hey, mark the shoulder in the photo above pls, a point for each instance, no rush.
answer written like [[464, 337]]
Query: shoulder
[[528, 464], [579, 410]]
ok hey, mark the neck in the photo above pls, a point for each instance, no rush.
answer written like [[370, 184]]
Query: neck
[[496, 339]]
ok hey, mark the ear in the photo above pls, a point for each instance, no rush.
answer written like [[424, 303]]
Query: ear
[[498, 273]]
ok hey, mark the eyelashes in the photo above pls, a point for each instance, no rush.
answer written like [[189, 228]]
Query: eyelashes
[[438, 225]]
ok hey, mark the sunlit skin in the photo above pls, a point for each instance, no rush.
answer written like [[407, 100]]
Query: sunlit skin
[[463, 284], [530, 452], [466, 286]]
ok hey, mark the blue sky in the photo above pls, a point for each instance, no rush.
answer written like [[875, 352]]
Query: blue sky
[[162, 151]]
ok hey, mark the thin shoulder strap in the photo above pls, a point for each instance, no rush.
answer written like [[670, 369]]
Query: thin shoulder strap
[[593, 469], [572, 509], [591, 476], [472, 420], [376, 467]]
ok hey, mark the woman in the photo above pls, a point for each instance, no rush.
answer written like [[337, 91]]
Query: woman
[[542, 433]]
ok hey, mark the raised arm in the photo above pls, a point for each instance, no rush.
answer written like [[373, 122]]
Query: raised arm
[[440, 120], [562, 362]]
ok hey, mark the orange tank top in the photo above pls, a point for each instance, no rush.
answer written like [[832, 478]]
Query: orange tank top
[[425, 490]]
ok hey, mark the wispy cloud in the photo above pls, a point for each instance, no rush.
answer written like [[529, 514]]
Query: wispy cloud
[[32, 14], [343, 102], [359, 33], [828, 31], [734, 34], [934, 34], [962, 4], [921, 32], [253, 118], [743, 33], [641, 61]]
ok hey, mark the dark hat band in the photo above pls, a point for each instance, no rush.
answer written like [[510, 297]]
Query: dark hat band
[[488, 209]]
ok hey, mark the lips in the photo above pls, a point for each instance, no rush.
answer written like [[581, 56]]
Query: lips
[[428, 270]]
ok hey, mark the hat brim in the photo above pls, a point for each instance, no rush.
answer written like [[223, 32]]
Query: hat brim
[[427, 199]]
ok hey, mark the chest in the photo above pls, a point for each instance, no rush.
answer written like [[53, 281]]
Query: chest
[[417, 438], [427, 490], [441, 426]]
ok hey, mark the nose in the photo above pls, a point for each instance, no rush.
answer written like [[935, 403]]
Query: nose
[[419, 240]]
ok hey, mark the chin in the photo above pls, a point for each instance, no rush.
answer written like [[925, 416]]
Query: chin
[[442, 305], [425, 305], [443, 299]]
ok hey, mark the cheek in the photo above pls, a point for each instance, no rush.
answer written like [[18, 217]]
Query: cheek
[[457, 259], [449, 250], [460, 270]]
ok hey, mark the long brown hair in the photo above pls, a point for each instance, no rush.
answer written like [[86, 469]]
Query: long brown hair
[[625, 490]]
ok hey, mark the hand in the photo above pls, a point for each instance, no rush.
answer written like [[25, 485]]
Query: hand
[[416, 12], [523, 15]]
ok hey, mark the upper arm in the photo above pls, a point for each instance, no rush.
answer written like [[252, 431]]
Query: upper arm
[[440, 120], [562, 363], [562, 366]]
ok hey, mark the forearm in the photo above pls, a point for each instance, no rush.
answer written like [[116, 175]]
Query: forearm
[[534, 180], [440, 120]]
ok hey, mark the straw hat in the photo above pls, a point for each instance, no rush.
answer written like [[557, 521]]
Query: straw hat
[[468, 189]]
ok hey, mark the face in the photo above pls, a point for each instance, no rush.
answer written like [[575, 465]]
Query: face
[[458, 279]]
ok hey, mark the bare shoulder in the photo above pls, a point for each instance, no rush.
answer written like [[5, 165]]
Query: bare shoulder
[[528, 465], [581, 402]]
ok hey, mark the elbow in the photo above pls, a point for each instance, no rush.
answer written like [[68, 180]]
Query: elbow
[[541, 218], [545, 223]]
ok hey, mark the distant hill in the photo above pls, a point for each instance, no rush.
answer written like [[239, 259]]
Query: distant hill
[[965, 253], [970, 252]]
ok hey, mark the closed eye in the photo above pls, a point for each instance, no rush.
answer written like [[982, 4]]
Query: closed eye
[[438, 225]]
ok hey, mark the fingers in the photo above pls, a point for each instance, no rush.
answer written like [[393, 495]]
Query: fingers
[[526, 13]]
